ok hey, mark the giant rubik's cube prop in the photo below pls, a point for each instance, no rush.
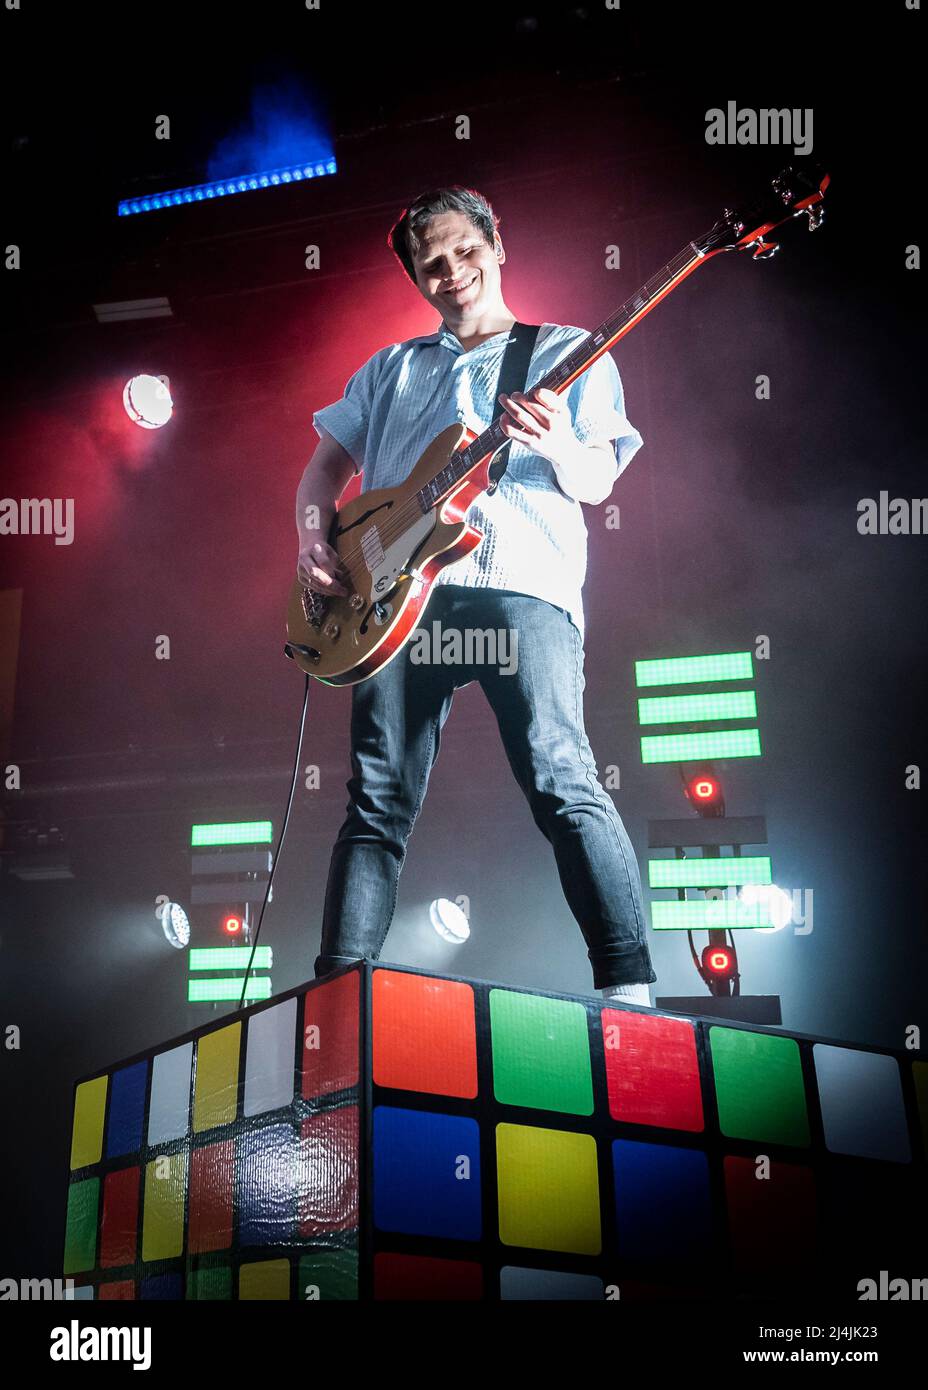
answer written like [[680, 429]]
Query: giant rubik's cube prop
[[391, 1134]]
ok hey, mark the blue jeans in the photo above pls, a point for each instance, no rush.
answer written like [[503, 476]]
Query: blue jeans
[[396, 721]]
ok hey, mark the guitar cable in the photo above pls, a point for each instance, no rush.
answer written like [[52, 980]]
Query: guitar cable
[[280, 840]]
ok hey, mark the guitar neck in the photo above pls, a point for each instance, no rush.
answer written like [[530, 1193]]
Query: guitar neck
[[587, 351]]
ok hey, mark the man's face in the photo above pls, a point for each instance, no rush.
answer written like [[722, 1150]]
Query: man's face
[[456, 271]]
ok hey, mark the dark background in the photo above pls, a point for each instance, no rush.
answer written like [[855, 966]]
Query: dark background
[[738, 517]]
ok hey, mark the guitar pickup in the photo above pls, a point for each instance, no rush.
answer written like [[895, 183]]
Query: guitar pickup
[[372, 549]]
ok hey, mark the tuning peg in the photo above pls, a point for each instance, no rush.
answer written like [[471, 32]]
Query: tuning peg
[[781, 186], [816, 216], [766, 249]]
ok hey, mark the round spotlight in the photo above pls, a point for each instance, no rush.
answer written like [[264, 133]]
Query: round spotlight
[[232, 925], [176, 925], [147, 400], [449, 921], [777, 901]]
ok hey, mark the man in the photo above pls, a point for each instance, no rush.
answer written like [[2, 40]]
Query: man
[[525, 577]]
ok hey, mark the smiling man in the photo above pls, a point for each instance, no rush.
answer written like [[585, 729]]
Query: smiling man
[[525, 576]]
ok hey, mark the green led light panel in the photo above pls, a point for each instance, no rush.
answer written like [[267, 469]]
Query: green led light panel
[[708, 914], [680, 709], [684, 670], [688, 748], [709, 873], [235, 957], [209, 991], [247, 832]]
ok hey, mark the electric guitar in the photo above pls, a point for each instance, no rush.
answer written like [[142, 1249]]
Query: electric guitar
[[393, 542]]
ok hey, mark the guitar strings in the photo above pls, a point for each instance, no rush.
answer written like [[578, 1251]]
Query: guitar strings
[[393, 528]]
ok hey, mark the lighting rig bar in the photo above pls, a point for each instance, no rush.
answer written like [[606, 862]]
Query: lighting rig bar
[[223, 188]]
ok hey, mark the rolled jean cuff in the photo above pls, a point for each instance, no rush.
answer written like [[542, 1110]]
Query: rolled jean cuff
[[628, 967]]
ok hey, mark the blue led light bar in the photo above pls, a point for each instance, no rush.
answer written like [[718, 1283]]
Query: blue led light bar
[[221, 188]]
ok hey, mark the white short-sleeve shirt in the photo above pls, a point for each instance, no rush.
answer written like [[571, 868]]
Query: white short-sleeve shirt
[[535, 538]]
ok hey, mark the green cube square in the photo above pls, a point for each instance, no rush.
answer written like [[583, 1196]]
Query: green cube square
[[210, 1282], [541, 1052], [759, 1086], [328, 1275], [80, 1243]]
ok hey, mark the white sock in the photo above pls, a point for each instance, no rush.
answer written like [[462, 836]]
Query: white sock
[[628, 994]]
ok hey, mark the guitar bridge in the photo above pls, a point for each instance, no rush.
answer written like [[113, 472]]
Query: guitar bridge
[[314, 606]]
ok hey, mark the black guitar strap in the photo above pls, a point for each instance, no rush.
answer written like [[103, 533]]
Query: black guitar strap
[[513, 376]]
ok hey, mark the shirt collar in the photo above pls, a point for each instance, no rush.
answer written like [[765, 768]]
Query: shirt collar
[[446, 338]]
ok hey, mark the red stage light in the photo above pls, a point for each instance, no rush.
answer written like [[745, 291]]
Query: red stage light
[[232, 926], [718, 959], [718, 966], [703, 791]]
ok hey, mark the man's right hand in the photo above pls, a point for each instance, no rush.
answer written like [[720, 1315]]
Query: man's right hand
[[324, 480], [320, 569]]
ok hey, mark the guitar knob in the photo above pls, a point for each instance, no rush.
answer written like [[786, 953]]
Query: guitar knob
[[332, 630], [356, 602]]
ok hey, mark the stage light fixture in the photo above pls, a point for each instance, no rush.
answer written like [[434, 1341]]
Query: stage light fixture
[[701, 707], [252, 832], [684, 670], [689, 748], [223, 188], [709, 914], [230, 958], [147, 401], [232, 925], [776, 902], [176, 925], [449, 920], [690, 709], [709, 871], [39, 854], [703, 791], [719, 963], [207, 991], [126, 310]]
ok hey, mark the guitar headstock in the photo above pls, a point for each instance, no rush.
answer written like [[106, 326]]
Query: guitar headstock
[[794, 192]]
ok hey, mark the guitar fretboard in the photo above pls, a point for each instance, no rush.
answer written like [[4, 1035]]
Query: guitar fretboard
[[463, 461]]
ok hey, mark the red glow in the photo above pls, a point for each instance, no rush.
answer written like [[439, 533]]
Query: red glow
[[704, 789], [232, 926], [719, 960]]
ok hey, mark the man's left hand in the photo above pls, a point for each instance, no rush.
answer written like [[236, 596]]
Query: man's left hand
[[540, 421]]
